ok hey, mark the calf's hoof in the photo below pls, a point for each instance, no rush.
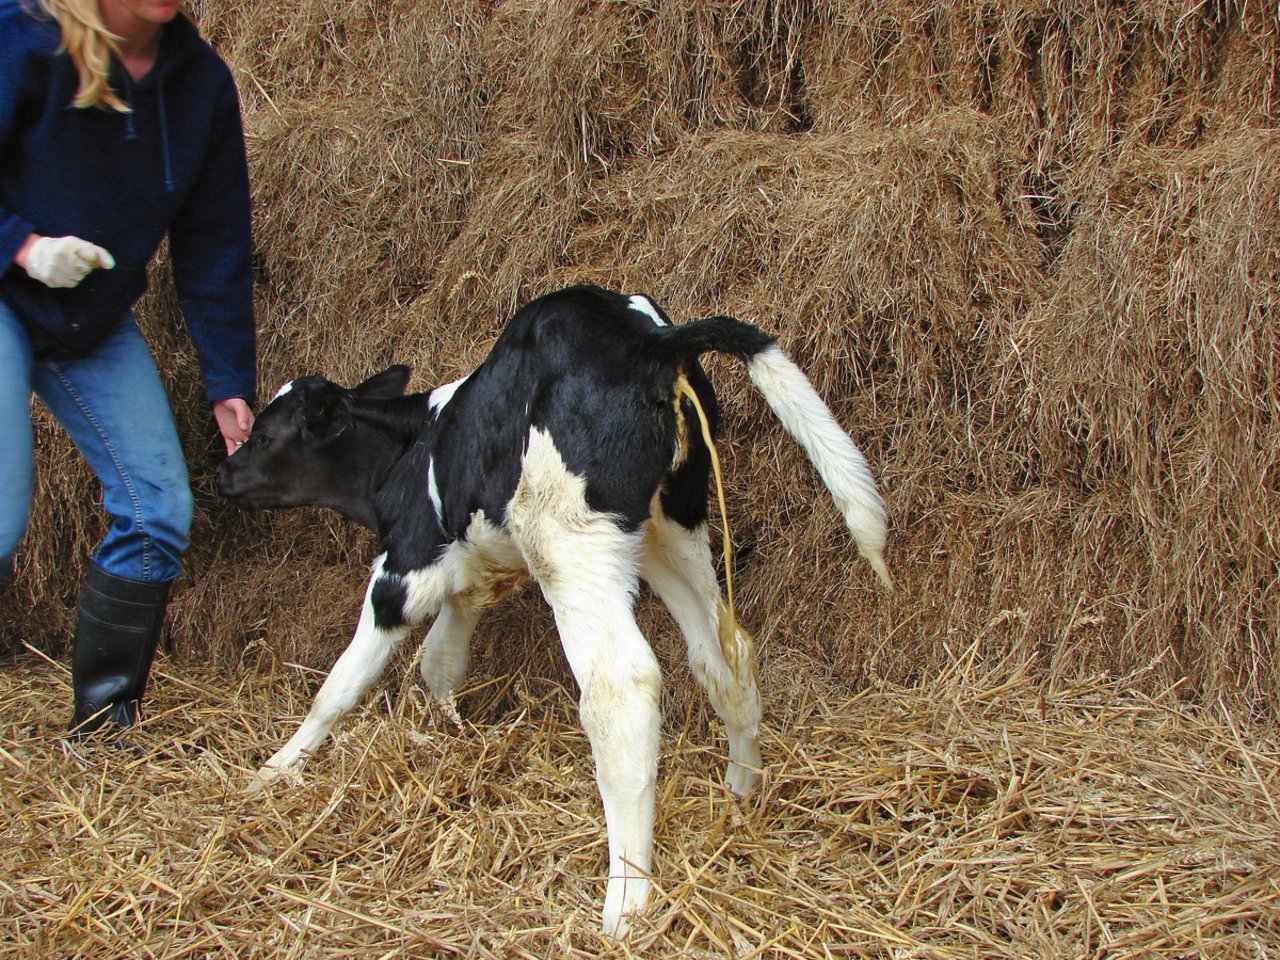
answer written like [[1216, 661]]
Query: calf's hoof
[[745, 767], [741, 780], [267, 775], [625, 896]]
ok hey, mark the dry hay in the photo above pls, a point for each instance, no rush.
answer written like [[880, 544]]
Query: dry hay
[[979, 816], [1025, 248]]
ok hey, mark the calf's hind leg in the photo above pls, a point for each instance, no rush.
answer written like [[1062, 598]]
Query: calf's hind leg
[[619, 683], [588, 570], [677, 565]]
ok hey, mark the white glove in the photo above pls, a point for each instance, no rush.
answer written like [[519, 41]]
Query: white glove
[[65, 261]]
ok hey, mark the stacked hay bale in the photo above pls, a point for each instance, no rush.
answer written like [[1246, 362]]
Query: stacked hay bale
[[1025, 248]]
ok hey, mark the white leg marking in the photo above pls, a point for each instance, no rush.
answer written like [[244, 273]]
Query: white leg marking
[[588, 571], [447, 647], [677, 564], [481, 568], [354, 673]]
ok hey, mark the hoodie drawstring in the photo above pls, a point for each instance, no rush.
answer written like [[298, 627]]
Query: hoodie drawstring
[[164, 137], [131, 130]]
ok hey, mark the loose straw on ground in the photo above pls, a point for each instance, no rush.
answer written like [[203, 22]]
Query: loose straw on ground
[[975, 817]]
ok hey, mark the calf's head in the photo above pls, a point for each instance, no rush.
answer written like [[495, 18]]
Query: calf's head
[[300, 452]]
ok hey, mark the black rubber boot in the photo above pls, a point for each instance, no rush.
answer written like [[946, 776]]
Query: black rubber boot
[[116, 635]]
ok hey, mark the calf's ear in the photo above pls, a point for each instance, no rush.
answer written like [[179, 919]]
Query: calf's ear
[[387, 385], [325, 415]]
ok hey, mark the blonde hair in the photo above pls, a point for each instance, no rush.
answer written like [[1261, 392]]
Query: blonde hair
[[89, 44]]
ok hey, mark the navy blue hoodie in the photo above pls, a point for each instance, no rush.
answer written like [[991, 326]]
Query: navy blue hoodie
[[174, 164]]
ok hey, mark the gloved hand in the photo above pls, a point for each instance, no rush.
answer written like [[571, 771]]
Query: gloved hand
[[64, 261]]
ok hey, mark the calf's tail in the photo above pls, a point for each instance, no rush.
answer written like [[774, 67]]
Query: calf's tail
[[803, 414]]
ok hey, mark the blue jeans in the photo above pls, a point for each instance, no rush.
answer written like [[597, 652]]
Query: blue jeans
[[113, 406]]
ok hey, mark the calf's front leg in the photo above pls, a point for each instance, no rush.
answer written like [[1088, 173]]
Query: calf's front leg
[[379, 633], [447, 647]]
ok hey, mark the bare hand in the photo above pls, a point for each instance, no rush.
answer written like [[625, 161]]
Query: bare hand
[[235, 420]]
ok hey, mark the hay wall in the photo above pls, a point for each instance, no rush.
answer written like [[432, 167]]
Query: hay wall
[[1025, 247]]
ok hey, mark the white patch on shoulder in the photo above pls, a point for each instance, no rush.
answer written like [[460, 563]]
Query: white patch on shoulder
[[284, 388], [433, 490], [440, 396], [642, 304]]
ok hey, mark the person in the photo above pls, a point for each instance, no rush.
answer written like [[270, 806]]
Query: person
[[119, 125]]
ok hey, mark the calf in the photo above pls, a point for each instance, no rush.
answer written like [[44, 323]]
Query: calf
[[571, 455]]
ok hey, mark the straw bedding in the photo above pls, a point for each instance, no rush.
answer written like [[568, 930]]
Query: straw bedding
[[1026, 249], [977, 817]]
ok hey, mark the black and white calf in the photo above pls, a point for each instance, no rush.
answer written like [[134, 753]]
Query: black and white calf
[[566, 456]]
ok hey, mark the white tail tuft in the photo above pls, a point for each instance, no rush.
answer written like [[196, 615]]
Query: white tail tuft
[[837, 458]]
